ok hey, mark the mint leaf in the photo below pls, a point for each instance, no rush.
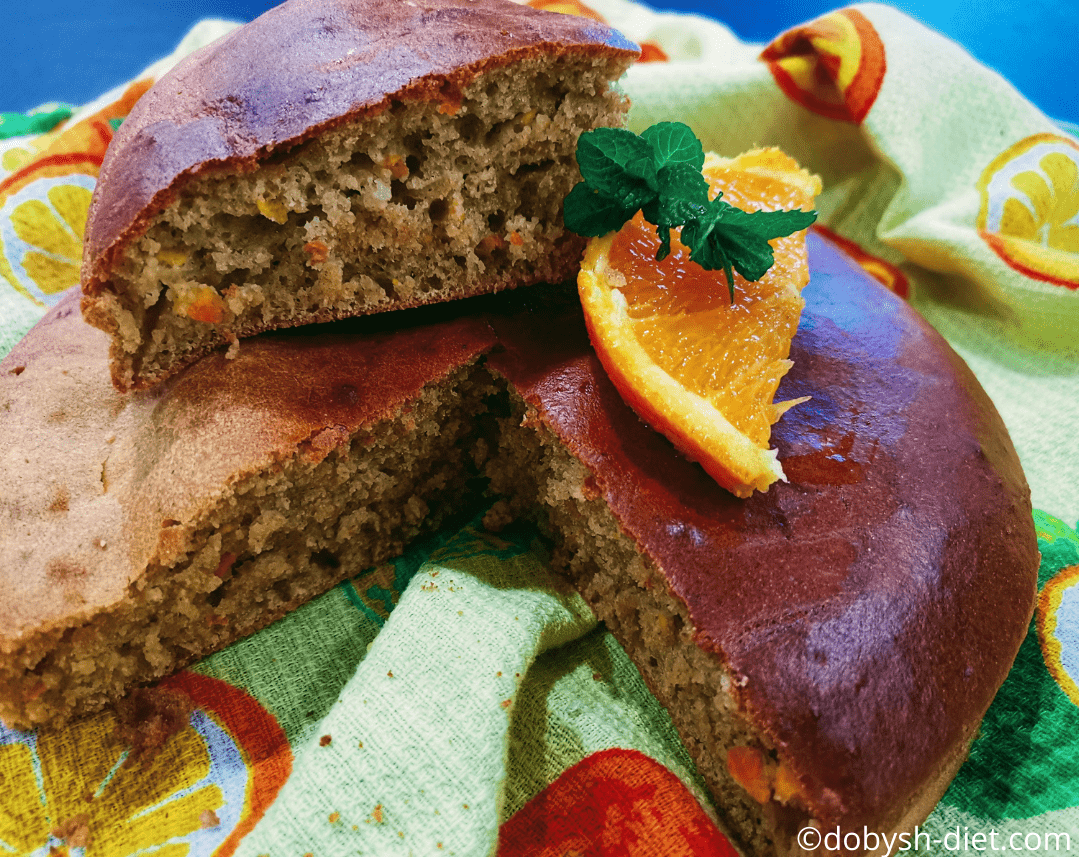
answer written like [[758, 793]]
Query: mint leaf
[[750, 255], [674, 143], [616, 162], [659, 173], [697, 232], [683, 197], [700, 236], [592, 214], [683, 193], [744, 237], [644, 169], [777, 224], [727, 237]]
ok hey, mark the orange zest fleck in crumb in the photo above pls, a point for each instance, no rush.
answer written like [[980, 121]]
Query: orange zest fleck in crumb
[[223, 567], [449, 108], [515, 239], [746, 765], [208, 306], [316, 251], [489, 243], [172, 258], [272, 209], [786, 785], [396, 165]]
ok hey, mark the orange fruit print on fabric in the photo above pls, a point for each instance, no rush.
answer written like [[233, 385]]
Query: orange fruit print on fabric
[[615, 803], [262, 742], [833, 66], [650, 51], [78, 149], [1029, 212]]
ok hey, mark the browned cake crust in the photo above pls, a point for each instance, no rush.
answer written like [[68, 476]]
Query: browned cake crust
[[311, 67], [866, 610], [859, 618]]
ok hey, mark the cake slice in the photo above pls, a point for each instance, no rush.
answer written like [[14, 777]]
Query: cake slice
[[825, 649], [342, 157], [143, 531]]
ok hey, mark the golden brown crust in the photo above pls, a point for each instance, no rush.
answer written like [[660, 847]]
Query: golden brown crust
[[869, 608], [140, 469], [297, 71]]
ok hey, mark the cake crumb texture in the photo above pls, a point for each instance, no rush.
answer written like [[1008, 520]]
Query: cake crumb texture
[[439, 183]]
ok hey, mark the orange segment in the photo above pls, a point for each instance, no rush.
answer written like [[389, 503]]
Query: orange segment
[[696, 367]]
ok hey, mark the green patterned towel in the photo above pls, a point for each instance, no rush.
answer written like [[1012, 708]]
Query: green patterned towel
[[457, 700]]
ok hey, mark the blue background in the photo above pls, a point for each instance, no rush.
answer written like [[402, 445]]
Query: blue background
[[73, 51]]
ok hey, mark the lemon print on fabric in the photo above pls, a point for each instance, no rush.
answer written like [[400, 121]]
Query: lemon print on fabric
[[1029, 211], [45, 187], [41, 248], [77, 791], [833, 66], [14, 156], [1058, 625], [1023, 762]]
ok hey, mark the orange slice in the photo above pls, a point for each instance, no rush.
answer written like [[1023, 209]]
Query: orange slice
[[694, 366]]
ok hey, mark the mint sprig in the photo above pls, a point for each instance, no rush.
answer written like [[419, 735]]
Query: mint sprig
[[659, 174]]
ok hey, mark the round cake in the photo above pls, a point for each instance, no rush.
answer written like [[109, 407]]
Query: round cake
[[341, 157], [826, 649]]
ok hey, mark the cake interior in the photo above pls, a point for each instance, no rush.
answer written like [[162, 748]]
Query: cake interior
[[285, 536], [275, 541], [425, 201], [536, 476]]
